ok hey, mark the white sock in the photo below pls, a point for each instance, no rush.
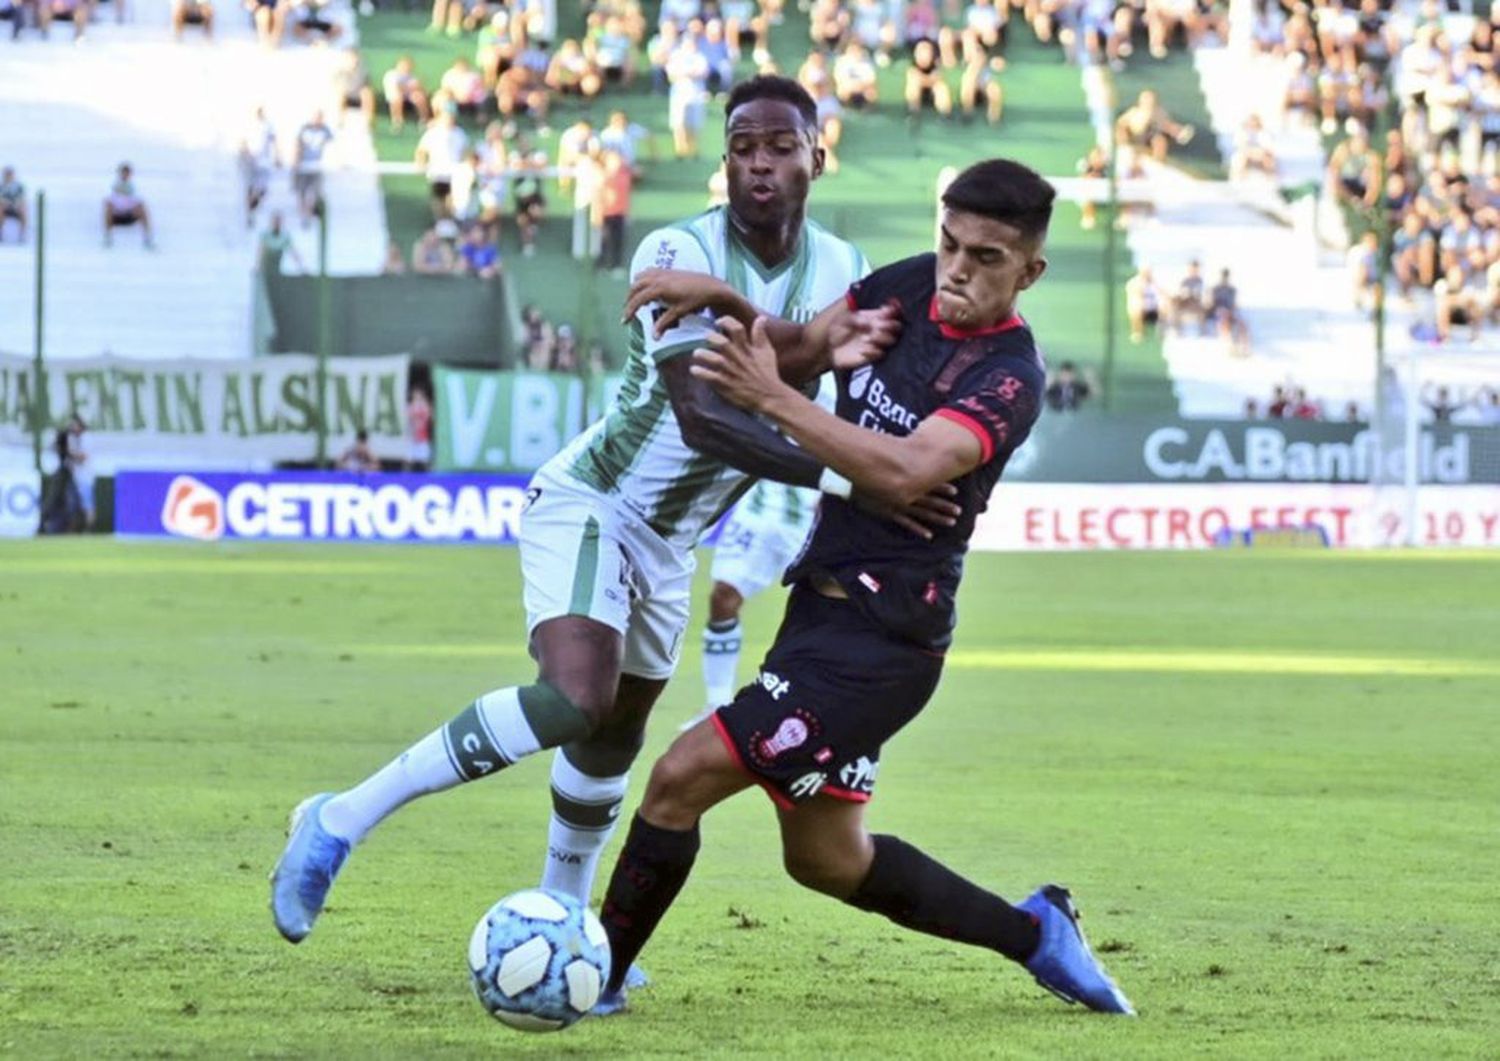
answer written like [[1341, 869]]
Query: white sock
[[721, 657], [488, 735], [585, 811]]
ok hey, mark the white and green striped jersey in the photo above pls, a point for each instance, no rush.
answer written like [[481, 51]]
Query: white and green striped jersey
[[635, 453]]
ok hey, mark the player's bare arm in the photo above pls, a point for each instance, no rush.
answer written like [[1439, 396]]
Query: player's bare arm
[[741, 366], [838, 338]]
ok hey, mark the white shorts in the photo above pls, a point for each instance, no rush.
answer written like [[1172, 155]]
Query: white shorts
[[582, 554], [753, 554]]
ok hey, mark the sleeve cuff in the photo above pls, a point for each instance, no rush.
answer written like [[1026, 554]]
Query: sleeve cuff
[[986, 441], [671, 350]]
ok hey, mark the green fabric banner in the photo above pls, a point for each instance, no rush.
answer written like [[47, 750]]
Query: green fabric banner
[[511, 421]]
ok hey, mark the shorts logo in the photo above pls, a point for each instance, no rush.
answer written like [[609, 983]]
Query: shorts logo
[[531, 498], [822, 755], [807, 786], [869, 581], [193, 510], [773, 684], [859, 776], [792, 732]]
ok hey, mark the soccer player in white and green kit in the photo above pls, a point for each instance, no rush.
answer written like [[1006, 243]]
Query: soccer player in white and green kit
[[606, 543]]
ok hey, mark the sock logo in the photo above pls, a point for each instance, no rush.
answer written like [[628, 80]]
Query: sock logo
[[193, 509], [471, 750]]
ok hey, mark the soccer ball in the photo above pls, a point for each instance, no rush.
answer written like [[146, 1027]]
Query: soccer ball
[[539, 959]]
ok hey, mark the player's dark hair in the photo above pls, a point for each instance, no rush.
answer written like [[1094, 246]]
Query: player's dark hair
[[773, 86], [1007, 191]]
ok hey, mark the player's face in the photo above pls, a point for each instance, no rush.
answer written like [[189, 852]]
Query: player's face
[[770, 158], [982, 265]]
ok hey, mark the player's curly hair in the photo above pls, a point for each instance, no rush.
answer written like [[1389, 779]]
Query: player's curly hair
[[1007, 191], [773, 86]]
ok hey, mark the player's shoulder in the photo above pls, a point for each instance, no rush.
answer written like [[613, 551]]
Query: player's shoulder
[[687, 244]]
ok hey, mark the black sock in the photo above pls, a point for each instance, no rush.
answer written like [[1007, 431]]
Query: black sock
[[919, 893], [653, 866]]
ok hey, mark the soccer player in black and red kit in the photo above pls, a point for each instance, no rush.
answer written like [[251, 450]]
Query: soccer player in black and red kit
[[871, 610]]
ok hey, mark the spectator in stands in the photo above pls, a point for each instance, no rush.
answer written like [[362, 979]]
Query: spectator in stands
[[1147, 128], [497, 46], [1251, 410], [1224, 312], [418, 430], [687, 96], [573, 143], [830, 124], [1414, 255], [1303, 407], [276, 246], [432, 255], [522, 89], [610, 49], [614, 209], [828, 24], [1440, 403], [269, 17], [588, 178], [1143, 302], [1280, 406], [925, 85], [403, 89], [465, 87], [1300, 99], [854, 81], [565, 351], [395, 261], [75, 11], [478, 255], [359, 457], [351, 88], [1460, 300], [260, 154], [622, 136], [1364, 271], [14, 12], [311, 21], [1253, 150], [123, 208], [659, 52], [1353, 170], [1104, 29], [980, 80], [530, 195], [571, 73], [307, 165], [69, 506], [192, 13], [1188, 300], [1067, 391], [438, 153], [538, 339], [1487, 405], [1094, 165], [1352, 415], [12, 204], [463, 195], [745, 21]]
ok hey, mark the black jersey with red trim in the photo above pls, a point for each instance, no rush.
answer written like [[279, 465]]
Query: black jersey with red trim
[[989, 381]]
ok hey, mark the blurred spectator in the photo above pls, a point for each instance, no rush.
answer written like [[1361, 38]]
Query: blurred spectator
[[497, 46], [123, 208], [1303, 407], [76, 459], [1095, 165], [1188, 300], [1439, 401], [571, 73], [494, 177], [438, 153], [1143, 301], [1300, 99], [565, 351], [432, 255], [1224, 312], [985, 23], [464, 85], [403, 89], [538, 339], [463, 194], [14, 12], [522, 89], [622, 136], [1251, 410], [588, 179], [418, 430], [395, 261], [744, 21], [68, 506], [1489, 408], [1147, 128], [269, 17], [614, 197], [310, 21], [1364, 270], [659, 51], [854, 81], [1067, 391], [259, 156], [192, 13], [1414, 255], [351, 88], [1460, 301], [1353, 170], [1253, 150], [574, 142], [830, 124], [307, 165], [980, 81], [828, 24], [276, 246], [1280, 406], [717, 53], [1104, 28], [359, 457], [924, 82], [75, 11], [478, 255], [687, 82], [1352, 414], [612, 51], [531, 198], [12, 204]]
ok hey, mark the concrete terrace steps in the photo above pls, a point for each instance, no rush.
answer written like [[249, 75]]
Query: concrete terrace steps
[[69, 113]]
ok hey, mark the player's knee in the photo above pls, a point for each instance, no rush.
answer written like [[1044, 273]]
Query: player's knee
[[821, 870], [724, 602]]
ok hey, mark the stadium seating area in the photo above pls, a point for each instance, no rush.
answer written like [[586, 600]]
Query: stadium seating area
[[1300, 319]]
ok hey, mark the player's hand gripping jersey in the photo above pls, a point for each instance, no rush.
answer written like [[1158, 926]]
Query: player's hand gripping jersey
[[989, 381]]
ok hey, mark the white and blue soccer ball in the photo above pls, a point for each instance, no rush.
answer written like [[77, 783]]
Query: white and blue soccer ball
[[539, 959]]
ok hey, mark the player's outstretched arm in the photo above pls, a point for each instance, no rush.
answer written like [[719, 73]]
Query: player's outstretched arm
[[838, 337], [899, 471]]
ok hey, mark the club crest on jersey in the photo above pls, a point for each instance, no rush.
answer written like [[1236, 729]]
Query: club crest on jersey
[[793, 732]]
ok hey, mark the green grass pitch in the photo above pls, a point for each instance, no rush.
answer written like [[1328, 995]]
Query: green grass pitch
[[1269, 778]]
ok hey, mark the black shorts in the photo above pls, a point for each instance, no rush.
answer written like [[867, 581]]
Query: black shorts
[[834, 687], [117, 219]]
